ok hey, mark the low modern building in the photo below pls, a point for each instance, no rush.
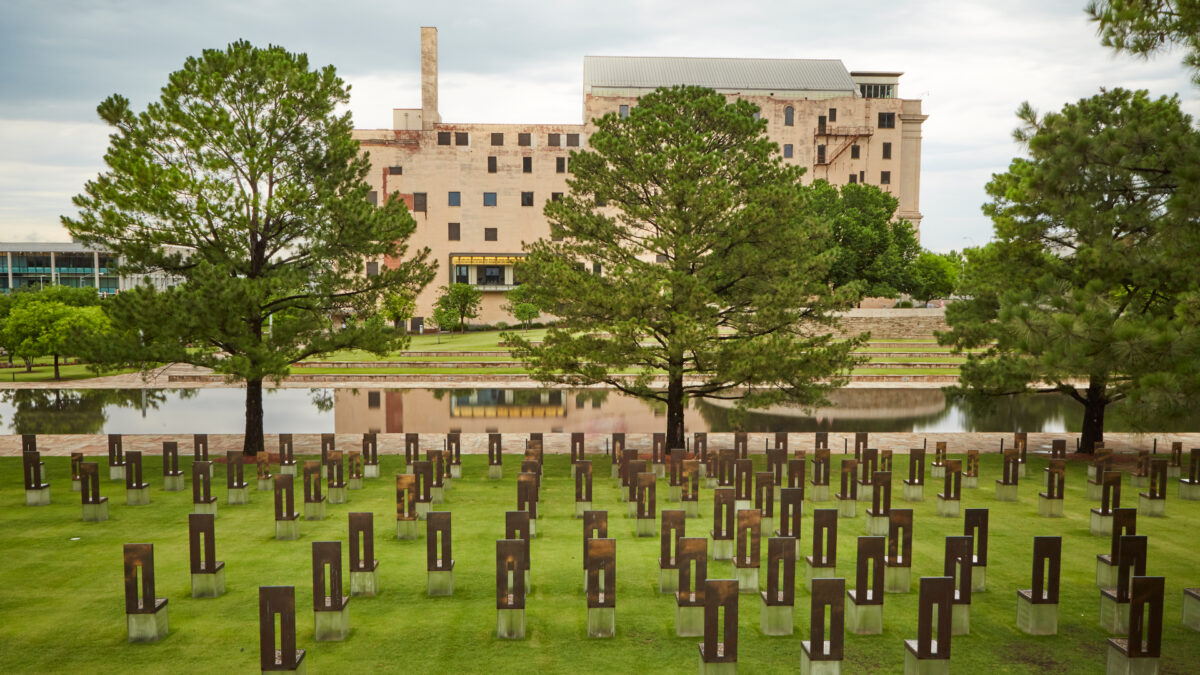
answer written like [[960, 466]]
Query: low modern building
[[39, 264], [477, 190]]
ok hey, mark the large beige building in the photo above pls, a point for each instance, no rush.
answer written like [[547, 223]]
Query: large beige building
[[477, 190]]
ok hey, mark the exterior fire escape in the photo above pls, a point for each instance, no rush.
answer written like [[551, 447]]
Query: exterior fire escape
[[843, 137]]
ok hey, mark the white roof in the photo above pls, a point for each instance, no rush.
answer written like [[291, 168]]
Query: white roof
[[737, 74]]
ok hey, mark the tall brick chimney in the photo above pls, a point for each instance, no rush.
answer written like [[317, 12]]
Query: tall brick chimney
[[429, 78]]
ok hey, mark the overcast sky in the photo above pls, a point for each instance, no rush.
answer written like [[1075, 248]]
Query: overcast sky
[[971, 63]]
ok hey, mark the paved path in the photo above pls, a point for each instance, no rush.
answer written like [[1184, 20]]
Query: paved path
[[514, 444]]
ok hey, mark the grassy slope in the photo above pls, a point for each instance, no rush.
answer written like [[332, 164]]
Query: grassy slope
[[62, 601]]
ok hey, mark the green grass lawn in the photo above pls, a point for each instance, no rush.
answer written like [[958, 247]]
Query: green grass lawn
[[44, 372], [905, 371], [62, 604]]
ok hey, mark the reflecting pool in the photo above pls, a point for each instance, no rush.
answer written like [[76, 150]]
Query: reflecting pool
[[184, 411]]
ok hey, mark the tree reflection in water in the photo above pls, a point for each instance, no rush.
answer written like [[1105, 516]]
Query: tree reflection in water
[[76, 411]]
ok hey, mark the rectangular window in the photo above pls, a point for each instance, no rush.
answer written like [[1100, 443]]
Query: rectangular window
[[372, 399], [373, 197], [493, 275], [498, 139], [597, 268], [658, 257], [443, 138], [556, 196], [460, 138], [526, 199], [395, 170], [787, 150], [862, 177], [821, 125], [489, 199], [853, 178], [887, 120], [461, 274], [833, 114], [885, 177], [524, 139], [527, 164], [887, 150], [820, 154], [420, 203], [552, 140], [489, 234], [372, 269], [854, 151], [623, 111], [560, 164], [572, 140], [491, 165], [454, 232], [455, 199]]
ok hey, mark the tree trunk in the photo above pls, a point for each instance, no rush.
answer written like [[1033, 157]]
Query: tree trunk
[[253, 443], [56, 375], [29, 365], [675, 437], [1093, 416]]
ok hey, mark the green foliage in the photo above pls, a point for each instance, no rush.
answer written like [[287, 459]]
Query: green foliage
[[1084, 284], [1146, 27], [460, 300], [398, 308], [739, 303], [443, 319], [933, 275], [520, 305], [873, 252], [244, 183], [52, 328]]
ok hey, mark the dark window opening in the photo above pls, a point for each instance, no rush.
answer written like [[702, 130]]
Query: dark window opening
[[820, 154], [461, 274], [887, 120], [443, 138], [455, 199], [372, 399], [489, 275], [556, 196], [489, 234], [420, 202], [887, 150], [854, 151], [833, 114], [395, 170], [373, 197], [526, 199], [372, 269], [560, 164], [597, 268], [885, 177], [853, 179], [489, 199], [789, 116], [623, 111], [553, 140], [491, 165], [524, 139], [572, 140], [460, 138], [787, 150], [454, 232], [497, 139], [527, 164]]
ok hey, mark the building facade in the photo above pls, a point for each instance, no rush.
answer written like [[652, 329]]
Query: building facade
[[477, 190], [40, 264]]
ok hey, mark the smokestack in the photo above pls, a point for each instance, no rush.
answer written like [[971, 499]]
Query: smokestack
[[429, 78]]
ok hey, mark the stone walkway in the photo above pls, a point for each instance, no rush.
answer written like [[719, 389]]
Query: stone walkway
[[476, 443]]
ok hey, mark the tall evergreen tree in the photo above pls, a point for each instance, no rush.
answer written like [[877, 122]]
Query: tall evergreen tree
[[244, 183], [686, 248], [1084, 283]]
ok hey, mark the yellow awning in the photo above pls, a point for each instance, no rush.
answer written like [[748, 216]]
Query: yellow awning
[[485, 259]]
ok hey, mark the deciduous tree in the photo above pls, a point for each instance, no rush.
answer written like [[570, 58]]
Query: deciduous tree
[[712, 268], [462, 301], [244, 183], [874, 252]]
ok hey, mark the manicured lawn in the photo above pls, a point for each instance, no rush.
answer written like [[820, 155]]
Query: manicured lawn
[[905, 371], [44, 372], [410, 371], [62, 604]]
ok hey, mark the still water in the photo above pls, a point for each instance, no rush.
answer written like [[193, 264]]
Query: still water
[[185, 411]]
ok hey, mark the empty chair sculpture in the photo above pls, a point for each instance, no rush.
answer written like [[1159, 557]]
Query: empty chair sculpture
[[1037, 607]]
